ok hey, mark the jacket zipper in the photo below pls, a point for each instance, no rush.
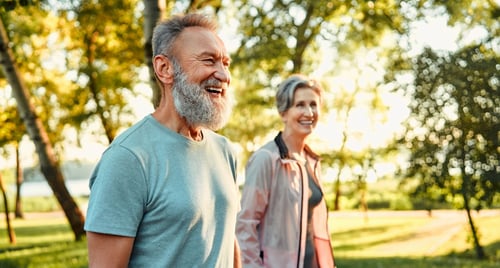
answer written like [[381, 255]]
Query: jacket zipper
[[301, 211]]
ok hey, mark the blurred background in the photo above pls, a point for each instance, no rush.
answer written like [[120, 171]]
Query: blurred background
[[410, 119]]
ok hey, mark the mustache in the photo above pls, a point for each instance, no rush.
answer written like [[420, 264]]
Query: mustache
[[213, 82]]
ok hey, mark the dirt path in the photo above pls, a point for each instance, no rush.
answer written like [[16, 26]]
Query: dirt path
[[428, 238]]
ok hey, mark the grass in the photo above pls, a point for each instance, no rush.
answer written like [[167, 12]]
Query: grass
[[356, 238], [48, 242], [42, 243], [413, 262]]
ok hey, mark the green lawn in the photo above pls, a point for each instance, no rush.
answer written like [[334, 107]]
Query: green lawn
[[47, 242], [42, 243]]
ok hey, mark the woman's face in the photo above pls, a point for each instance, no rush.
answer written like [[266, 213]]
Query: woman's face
[[302, 116]]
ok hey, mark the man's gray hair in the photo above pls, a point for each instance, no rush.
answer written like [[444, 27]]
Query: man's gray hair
[[287, 88], [166, 32]]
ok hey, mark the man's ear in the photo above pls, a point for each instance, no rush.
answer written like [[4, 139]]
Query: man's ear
[[163, 69]]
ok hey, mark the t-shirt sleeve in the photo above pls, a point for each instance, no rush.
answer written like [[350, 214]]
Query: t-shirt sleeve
[[118, 194]]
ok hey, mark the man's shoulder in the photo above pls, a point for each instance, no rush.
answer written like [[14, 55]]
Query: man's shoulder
[[134, 128], [216, 137], [147, 130]]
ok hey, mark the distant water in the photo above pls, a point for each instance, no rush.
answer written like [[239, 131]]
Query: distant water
[[42, 188], [76, 174]]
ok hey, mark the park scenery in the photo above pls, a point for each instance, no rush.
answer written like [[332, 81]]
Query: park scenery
[[390, 234], [408, 132]]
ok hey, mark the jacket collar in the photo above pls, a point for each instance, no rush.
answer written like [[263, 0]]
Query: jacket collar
[[284, 150]]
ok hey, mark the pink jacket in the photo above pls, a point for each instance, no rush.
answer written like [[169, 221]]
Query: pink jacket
[[272, 223]]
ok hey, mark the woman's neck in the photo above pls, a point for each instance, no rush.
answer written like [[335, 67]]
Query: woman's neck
[[295, 145]]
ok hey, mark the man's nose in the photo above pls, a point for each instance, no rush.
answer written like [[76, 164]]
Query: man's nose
[[222, 73]]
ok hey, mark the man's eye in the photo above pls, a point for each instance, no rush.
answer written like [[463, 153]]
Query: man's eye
[[211, 61]]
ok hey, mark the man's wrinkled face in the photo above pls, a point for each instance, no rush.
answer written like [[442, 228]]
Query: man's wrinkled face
[[201, 78], [194, 103]]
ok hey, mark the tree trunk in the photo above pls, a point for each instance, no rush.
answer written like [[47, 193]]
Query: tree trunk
[[341, 152], [362, 200], [19, 181], [152, 14], [480, 254], [91, 40], [49, 165], [10, 231], [336, 202]]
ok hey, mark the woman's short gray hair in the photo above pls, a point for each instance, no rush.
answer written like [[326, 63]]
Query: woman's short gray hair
[[166, 32], [287, 88]]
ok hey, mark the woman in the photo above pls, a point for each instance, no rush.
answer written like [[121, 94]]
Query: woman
[[283, 216]]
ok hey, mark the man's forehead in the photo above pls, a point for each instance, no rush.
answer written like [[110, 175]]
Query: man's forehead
[[198, 39]]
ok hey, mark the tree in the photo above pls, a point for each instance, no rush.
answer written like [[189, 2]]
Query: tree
[[11, 133], [92, 51], [284, 37], [10, 231], [453, 131], [38, 134], [107, 57], [453, 135]]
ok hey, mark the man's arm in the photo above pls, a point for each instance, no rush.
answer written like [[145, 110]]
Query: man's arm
[[108, 250]]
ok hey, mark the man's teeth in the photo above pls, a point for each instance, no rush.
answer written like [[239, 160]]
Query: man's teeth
[[214, 90], [306, 122]]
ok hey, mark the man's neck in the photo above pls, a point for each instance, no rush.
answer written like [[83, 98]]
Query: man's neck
[[168, 116]]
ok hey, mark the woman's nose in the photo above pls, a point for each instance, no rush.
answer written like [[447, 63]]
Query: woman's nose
[[308, 110]]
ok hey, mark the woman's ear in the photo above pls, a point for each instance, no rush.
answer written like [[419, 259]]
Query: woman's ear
[[163, 69], [283, 116]]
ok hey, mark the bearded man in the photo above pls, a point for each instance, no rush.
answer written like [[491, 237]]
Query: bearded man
[[164, 193]]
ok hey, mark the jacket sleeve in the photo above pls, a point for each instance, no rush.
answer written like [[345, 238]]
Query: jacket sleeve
[[254, 200]]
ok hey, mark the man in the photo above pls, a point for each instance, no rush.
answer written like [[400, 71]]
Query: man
[[164, 192]]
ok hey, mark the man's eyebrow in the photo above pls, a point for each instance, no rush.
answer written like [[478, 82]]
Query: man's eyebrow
[[217, 55]]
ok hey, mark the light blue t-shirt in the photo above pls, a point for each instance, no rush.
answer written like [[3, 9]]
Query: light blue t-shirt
[[177, 197]]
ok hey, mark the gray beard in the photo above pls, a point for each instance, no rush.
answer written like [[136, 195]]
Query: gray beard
[[195, 105]]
